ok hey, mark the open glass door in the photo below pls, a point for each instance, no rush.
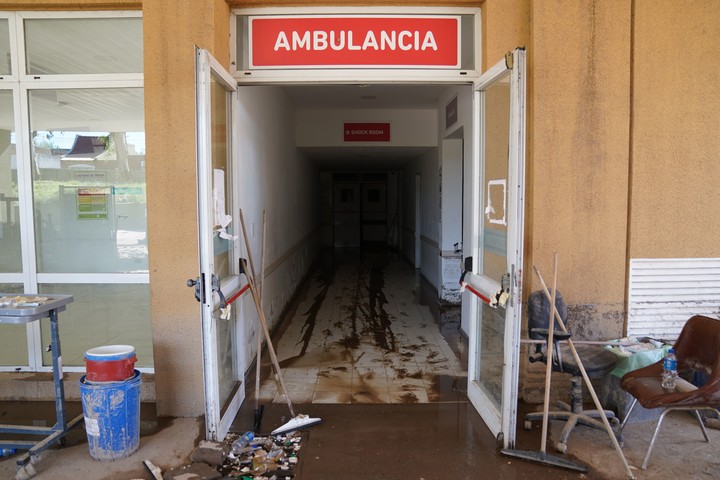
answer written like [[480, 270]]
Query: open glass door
[[218, 248], [497, 244]]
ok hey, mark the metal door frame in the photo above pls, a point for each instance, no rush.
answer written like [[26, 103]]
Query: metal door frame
[[218, 417], [502, 422]]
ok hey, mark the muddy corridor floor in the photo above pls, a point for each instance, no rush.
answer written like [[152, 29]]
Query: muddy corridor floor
[[362, 331], [367, 348]]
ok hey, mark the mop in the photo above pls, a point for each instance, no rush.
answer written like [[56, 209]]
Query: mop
[[542, 456]]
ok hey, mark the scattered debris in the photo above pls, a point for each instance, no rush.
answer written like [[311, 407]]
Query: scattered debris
[[156, 472], [264, 458], [193, 471], [212, 453]]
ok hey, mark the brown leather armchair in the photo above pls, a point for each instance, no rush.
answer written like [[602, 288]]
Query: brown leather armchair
[[697, 350]]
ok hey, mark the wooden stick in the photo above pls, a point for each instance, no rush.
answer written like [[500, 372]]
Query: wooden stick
[[266, 330], [589, 385], [247, 243], [259, 335], [586, 342], [259, 331], [548, 364]]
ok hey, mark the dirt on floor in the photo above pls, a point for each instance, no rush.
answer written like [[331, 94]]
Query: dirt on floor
[[421, 441], [680, 449]]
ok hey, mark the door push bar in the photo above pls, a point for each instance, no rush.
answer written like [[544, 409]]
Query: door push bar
[[499, 298], [224, 302]]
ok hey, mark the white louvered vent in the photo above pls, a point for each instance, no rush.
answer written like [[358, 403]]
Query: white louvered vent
[[665, 292]]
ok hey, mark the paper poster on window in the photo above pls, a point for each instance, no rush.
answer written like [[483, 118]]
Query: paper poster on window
[[92, 203], [222, 219], [496, 202]]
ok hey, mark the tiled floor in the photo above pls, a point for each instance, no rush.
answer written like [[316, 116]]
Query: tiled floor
[[360, 335]]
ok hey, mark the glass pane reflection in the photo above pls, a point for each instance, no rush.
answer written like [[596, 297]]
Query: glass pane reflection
[[491, 332], [88, 152], [101, 315], [5, 65], [83, 45], [10, 250], [14, 337]]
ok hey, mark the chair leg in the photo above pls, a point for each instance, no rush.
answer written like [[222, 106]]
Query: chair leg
[[627, 415], [654, 437], [702, 425]]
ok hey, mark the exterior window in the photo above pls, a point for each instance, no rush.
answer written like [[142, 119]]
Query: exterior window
[[83, 46], [88, 152], [10, 250], [75, 172], [101, 315], [14, 337], [5, 66]]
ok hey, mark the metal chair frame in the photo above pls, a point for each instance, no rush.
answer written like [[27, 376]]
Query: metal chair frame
[[667, 410]]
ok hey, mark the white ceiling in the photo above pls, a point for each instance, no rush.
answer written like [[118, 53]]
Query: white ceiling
[[368, 97], [365, 96]]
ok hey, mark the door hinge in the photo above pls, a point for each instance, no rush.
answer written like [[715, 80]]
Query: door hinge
[[509, 60]]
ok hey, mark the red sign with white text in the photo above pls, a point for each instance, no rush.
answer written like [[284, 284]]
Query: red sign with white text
[[428, 41], [367, 132]]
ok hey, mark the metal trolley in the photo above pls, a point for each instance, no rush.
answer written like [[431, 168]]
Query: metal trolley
[[22, 309]]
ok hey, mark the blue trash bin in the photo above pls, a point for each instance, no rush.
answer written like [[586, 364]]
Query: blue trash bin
[[112, 417]]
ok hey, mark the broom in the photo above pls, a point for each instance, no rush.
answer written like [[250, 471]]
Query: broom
[[542, 455], [298, 421]]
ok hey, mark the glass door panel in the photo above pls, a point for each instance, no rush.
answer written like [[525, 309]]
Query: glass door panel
[[496, 101], [497, 201], [218, 248], [220, 111]]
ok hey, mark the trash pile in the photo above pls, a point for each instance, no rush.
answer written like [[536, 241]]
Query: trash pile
[[271, 457]]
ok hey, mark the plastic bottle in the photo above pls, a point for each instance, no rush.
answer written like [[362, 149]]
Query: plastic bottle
[[669, 370], [6, 452], [242, 441]]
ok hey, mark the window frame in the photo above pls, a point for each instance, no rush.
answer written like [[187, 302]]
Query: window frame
[[21, 83]]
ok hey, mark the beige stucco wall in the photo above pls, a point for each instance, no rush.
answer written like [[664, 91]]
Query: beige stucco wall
[[505, 26], [675, 142], [578, 176], [50, 5], [171, 32]]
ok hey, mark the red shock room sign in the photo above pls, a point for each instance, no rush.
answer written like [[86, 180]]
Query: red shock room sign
[[376, 41]]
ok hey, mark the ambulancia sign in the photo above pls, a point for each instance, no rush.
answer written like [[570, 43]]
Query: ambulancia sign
[[374, 41]]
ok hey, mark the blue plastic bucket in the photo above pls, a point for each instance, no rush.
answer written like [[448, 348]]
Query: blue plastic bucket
[[112, 417]]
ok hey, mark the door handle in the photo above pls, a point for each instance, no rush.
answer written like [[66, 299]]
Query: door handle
[[197, 283]]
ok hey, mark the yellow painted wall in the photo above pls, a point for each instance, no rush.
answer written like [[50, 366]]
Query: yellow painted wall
[[676, 120], [505, 26], [171, 31], [50, 5], [578, 176]]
